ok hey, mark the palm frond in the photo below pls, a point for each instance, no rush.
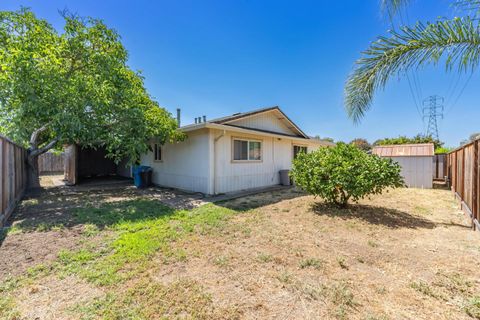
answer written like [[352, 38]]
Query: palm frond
[[470, 6], [392, 7], [457, 40]]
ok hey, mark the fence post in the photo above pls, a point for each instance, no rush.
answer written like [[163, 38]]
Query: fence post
[[475, 184], [462, 185]]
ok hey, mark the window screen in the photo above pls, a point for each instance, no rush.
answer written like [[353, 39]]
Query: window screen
[[247, 150]]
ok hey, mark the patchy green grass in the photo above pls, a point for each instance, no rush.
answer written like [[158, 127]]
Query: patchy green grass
[[221, 261], [426, 289], [150, 300], [136, 230], [421, 210], [140, 229], [342, 297], [265, 258], [311, 263], [137, 259], [372, 243], [7, 308], [472, 307], [342, 262], [453, 289]]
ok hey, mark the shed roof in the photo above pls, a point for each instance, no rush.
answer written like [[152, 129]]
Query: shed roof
[[405, 150]]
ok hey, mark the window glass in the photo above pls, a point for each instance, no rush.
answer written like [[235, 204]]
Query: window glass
[[240, 150], [254, 151], [247, 150], [157, 152]]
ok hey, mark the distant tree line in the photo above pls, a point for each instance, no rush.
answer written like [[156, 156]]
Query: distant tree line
[[419, 138], [364, 145]]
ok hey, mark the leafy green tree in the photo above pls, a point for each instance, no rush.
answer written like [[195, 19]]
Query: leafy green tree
[[406, 140], [344, 172], [455, 42], [442, 150], [73, 87], [362, 144]]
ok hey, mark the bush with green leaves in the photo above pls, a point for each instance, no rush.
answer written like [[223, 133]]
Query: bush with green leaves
[[344, 172]]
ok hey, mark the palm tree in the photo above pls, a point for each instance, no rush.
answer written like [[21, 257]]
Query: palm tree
[[455, 42]]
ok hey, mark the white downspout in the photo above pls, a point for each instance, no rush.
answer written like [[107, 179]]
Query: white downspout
[[214, 161], [273, 158]]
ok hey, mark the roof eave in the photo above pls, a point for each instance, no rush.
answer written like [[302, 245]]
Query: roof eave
[[217, 126]]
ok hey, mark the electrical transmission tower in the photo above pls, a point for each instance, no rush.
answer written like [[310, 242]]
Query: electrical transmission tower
[[432, 110]]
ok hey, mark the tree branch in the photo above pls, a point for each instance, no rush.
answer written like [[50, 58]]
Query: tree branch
[[36, 133], [45, 148]]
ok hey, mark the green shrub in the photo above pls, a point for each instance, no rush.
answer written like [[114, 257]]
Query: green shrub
[[344, 172]]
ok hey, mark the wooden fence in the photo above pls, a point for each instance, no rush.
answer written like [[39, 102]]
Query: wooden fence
[[13, 176], [50, 163], [463, 174], [439, 166]]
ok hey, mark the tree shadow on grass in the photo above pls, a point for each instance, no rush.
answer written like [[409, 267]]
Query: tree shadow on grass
[[388, 217], [57, 209]]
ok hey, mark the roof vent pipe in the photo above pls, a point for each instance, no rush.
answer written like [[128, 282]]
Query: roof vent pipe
[[196, 120], [204, 118], [178, 117]]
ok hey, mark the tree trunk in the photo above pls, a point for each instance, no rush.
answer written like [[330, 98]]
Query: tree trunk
[[343, 199], [33, 153], [32, 171]]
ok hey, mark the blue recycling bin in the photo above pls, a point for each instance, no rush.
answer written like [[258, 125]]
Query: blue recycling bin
[[142, 176]]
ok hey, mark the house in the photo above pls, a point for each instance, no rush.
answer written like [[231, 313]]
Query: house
[[238, 152], [416, 161]]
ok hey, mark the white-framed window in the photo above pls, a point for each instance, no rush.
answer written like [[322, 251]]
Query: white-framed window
[[247, 150], [157, 152], [299, 149]]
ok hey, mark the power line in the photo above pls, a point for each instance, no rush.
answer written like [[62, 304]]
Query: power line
[[415, 90], [413, 95], [460, 94], [433, 109]]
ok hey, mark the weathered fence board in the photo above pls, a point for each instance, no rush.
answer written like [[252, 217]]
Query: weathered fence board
[[463, 173], [13, 176], [50, 162], [439, 166]]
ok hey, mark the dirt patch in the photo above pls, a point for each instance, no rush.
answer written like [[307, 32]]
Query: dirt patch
[[297, 259], [53, 298], [25, 250]]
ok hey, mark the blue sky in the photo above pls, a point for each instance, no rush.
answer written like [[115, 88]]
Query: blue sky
[[219, 57]]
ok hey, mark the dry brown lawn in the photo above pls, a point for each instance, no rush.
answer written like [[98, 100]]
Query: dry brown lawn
[[406, 254]]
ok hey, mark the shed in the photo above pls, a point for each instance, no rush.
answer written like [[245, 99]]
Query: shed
[[85, 162], [416, 161]]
